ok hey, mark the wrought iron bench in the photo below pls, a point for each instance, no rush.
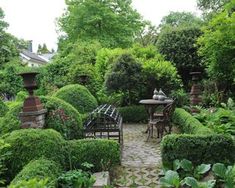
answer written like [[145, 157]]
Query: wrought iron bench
[[104, 122]]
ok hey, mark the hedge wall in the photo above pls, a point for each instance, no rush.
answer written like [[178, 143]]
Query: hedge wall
[[133, 114], [39, 169], [188, 124], [102, 153], [198, 148], [200, 144]]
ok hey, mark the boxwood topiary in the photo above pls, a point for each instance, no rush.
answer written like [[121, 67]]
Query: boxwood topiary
[[11, 121], [103, 154], [3, 108], [133, 114], [29, 144], [78, 96], [62, 117], [40, 169]]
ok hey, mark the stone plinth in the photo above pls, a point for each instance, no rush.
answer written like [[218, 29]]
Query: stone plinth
[[34, 119], [102, 179]]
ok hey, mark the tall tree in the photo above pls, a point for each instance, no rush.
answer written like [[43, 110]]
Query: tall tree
[[217, 46], [211, 5], [113, 23], [180, 19], [8, 43], [42, 49]]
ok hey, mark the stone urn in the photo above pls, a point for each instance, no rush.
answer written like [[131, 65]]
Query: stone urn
[[33, 114]]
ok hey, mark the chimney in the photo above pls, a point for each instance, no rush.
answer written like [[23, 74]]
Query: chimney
[[30, 45]]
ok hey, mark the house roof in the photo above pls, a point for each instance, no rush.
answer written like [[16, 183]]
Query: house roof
[[33, 56]]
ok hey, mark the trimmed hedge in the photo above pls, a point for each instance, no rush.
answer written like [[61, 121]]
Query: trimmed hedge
[[200, 145], [198, 148], [133, 114], [11, 121], [29, 144], [39, 169], [63, 117], [103, 154], [188, 124], [78, 96]]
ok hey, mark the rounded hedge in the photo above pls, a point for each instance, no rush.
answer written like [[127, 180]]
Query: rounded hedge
[[62, 117], [3, 108], [78, 96], [103, 154], [11, 121], [40, 169], [30, 144]]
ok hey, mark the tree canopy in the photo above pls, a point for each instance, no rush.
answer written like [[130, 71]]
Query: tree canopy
[[113, 23]]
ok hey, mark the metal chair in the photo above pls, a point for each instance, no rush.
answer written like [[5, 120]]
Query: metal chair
[[161, 121]]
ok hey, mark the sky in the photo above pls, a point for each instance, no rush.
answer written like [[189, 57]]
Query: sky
[[36, 19]]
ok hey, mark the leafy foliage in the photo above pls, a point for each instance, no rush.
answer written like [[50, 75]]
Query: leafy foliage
[[93, 20], [39, 169], [217, 47], [62, 117], [78, 96], [125, 76], [133, 114], [178, 46], [3, 108], [160, 73], [76, 178], [32, 183]]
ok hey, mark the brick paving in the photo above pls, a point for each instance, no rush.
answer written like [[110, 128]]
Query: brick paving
[[141, 160]]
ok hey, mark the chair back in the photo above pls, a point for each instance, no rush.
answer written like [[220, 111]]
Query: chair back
[[168, 111]]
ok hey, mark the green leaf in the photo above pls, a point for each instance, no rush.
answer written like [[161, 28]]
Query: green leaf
[[190, 181], [176, 164], [209, 184], [186, 165], [219, 170], [203, 168], [171, 179]]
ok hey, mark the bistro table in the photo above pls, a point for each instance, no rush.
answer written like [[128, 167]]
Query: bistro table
[[152, 104]]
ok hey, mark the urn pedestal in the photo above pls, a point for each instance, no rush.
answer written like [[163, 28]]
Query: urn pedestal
[[33, 114], [195, 93]]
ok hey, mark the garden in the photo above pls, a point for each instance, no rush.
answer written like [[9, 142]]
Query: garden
[[94, 66]]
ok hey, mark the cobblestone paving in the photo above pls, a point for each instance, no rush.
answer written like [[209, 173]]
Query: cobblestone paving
[[141, 160]]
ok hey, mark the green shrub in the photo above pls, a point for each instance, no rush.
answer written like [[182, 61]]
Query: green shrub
[[188, 124], [21, 96], [103, 154], [198, 148], [133, 114], [62, 117], [78, 96], [29, 144], [11, 121], [76, 178], [3, 108], [32, 183], [161, 73], [39, 169]]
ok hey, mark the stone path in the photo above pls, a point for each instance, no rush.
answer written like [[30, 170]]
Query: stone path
[[141, 160]]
